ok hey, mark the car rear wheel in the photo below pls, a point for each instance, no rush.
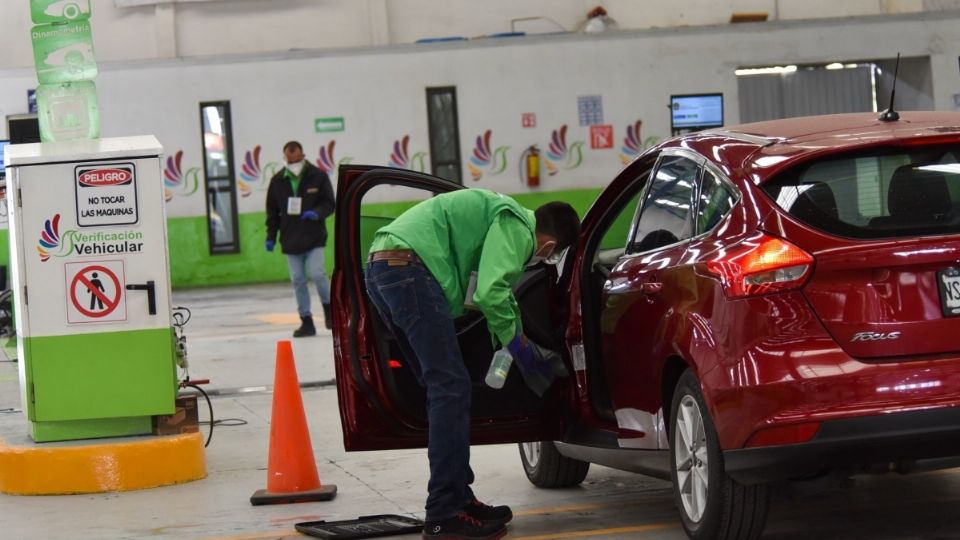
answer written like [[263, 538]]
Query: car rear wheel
[[712, 505], [547, 468]]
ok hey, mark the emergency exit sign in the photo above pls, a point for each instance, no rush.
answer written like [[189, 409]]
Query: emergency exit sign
[[332, 123]]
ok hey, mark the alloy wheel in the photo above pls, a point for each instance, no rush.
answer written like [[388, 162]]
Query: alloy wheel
[[690, 448], [531, 451]]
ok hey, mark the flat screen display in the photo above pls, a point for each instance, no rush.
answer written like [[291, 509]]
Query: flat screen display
[[696, 111], [3, 145]]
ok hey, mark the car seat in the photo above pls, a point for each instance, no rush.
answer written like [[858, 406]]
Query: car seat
[[915, 198], [815, 203]]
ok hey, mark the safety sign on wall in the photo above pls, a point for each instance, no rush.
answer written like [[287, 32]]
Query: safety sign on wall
[[95, 292], [601, 136], [106, 194]]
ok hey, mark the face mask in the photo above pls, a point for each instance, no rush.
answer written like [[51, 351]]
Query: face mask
[[537, 258], [295, 168]]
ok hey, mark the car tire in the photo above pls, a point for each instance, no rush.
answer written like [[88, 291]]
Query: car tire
[[712, 505], [546, 467]]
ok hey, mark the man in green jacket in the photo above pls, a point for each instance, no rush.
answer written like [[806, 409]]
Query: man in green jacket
[[417, 276]]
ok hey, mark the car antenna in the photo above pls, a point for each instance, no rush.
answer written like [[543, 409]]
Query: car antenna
[[891, 115]]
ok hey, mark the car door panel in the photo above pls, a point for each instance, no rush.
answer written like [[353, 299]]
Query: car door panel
[[381, 403], [639, 316]]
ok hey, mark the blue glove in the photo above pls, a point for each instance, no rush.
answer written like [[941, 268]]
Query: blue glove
[[269, 245], [312, 215], [522, 353]]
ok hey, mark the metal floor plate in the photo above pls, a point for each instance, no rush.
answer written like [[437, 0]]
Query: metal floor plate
[[362, 527]]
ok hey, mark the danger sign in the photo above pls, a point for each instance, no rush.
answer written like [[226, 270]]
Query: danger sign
[[106, 194], [95, 292]]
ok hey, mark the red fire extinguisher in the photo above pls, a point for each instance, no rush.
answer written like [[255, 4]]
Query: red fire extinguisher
[[531, 165]]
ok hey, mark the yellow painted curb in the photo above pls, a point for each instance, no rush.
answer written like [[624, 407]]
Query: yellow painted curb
[[98, 468]]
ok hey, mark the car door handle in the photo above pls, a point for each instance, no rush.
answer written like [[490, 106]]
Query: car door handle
[[651, 287]]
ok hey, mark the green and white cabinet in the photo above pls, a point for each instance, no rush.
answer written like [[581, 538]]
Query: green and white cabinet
[[90, 274]]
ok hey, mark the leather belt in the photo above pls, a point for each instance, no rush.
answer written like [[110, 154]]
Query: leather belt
[[407, 255]]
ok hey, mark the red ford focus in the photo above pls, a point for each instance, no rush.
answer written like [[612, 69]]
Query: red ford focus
[[767, 302]]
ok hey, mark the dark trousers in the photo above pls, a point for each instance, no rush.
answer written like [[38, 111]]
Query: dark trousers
[[411, 301]]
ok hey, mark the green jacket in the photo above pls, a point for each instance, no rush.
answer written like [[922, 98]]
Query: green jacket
[[464, 231]]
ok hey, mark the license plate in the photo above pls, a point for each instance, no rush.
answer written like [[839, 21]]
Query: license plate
[[949, 282]]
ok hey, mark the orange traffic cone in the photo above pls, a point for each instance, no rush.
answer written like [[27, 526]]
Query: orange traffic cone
[[291, 471]]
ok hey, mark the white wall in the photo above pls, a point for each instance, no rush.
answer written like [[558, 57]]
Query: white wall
[[248, 26], [170, 29], [380, 92]]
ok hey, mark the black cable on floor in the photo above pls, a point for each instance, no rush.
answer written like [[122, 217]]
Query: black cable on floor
[[210, 406], [229, 422]]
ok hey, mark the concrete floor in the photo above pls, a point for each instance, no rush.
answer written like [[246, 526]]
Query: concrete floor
[[231, 340]]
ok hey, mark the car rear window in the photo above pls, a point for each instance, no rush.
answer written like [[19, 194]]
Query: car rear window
[[881, 194]]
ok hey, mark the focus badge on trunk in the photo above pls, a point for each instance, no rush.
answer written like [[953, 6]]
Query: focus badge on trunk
[[875, 336]]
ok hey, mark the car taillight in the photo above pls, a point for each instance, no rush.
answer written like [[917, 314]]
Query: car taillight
[[759, 265]]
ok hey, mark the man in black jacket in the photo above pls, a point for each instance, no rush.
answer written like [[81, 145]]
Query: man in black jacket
[[299, 199]]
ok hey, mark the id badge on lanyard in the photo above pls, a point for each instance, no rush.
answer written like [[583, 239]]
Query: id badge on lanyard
[[293, 205]]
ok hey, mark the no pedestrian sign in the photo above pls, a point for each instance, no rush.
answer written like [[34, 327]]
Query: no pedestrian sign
[[106, 194], [95, 292]]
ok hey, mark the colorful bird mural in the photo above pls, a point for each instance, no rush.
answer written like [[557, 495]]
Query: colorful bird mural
[[558, 154], [400, 157], [174, 177], [634, 144], [495, 162], [327, 162], [252, 174]]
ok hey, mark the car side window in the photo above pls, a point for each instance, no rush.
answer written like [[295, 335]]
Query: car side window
[[716, 200], [667, 217]]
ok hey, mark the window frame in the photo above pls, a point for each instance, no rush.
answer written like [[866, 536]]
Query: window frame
[[221, 248], [695, 195], [703, 164], [434, 163]]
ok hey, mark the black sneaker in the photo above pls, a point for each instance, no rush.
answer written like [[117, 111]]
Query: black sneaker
[[463, 526], [488, 514]]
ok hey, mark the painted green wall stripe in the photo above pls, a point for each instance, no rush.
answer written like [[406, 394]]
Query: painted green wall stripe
[[191, 264]]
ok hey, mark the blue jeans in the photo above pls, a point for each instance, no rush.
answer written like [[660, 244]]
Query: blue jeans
[[308, 265], [412, 303]]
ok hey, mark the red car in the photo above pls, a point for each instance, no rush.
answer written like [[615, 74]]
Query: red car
[[766, 302]]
